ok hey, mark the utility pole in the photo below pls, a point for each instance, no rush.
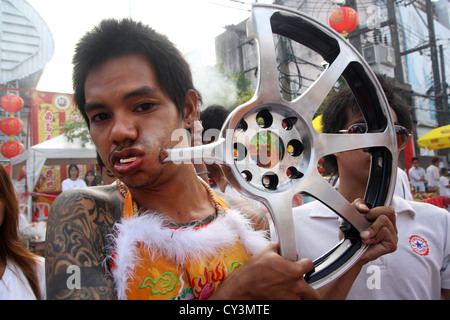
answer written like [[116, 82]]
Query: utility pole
[[398, 69], [438, 93], [444, 86], [355, 41], [283, 66]]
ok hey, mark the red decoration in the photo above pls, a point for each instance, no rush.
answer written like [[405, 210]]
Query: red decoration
[[11, 126], [343, 20], [12, 103], [11, 149]]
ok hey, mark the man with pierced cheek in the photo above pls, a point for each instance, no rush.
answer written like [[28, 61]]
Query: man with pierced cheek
[[160, 232]]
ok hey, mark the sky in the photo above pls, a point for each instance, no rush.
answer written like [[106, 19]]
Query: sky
[[191, 24]]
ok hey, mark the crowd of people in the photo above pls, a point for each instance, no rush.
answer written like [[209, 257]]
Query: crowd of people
[[433, 180], [92, 178], [160, 230]]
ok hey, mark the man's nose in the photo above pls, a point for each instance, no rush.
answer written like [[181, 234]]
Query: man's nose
[[124, 129]]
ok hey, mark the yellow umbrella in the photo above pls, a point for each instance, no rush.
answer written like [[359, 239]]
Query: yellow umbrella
[[438, 138], [317, 123]]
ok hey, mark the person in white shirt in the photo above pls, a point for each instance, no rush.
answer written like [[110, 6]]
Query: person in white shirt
[[22, 274], [444, 183], [73, 181], [433, 175], [402, 185], [419, 268], [417, 175]]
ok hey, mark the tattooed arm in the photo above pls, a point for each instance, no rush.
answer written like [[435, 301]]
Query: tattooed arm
[[79, 222]]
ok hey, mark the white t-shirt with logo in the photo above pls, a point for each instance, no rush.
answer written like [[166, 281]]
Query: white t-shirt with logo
[[418, 269]]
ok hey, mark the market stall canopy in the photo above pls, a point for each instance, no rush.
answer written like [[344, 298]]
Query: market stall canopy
[[56, 151], [438, 138]]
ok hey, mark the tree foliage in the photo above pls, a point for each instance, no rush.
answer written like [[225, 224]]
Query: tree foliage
[[76, 128], [243, 87]]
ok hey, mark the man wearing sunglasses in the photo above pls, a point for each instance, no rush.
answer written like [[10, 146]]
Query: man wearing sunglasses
[[418, 269]]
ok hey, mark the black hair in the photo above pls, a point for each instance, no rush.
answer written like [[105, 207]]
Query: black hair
[[213, 117], [100, 161], [94, 182], [343, 103], [73, 166], [435, 160], [115, 38]]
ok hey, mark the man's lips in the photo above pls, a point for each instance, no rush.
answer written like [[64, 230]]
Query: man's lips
[[127, 161], [126, 155]]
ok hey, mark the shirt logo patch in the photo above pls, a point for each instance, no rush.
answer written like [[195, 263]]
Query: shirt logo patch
[[419, 245]]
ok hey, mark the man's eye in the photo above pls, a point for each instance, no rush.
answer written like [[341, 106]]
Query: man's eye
[[100, 117], [145, 107]]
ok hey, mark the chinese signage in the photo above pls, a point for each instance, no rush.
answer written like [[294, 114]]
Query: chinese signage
[[49, 111]]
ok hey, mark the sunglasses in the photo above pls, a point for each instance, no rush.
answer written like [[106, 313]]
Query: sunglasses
[[401, 132]]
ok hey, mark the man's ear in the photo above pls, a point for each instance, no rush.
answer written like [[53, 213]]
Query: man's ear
[[191, 109]]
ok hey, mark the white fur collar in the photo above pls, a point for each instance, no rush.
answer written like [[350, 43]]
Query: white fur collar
[[179, 245]]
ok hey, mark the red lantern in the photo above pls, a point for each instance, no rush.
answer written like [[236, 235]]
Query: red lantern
[[343, 20], [11, 126], [12, 103], [11, 149]]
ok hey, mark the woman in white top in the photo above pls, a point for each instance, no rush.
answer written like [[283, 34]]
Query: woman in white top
[[22, 275], [73, 181]]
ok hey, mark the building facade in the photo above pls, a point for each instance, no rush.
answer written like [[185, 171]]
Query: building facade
[[26, 45], [395, 39]]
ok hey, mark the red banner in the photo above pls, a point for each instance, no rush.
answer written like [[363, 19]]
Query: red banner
[[48, 112]]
